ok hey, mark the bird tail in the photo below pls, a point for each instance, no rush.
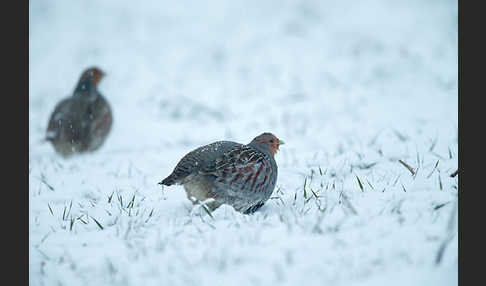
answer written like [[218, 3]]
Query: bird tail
[[50, 135], [170, 180]]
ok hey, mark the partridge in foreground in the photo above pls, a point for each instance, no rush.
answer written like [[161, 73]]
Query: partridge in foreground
[[239, 175], [81, 122]]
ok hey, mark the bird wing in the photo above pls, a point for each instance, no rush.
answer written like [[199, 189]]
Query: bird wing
[[200, 161], [99, 113], [242, 170], [59, 117], [241, 177], [236, 158]]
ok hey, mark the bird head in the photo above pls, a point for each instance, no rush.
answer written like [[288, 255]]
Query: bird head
[[268, 141], [94, 74]]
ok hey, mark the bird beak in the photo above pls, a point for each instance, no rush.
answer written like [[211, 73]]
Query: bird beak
[[280, 142]]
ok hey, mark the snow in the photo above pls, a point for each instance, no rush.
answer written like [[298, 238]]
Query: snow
[[350, 86]]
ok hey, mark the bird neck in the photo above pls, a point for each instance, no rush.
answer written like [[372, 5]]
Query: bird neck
[[85, 85], [86, 90], [262, 148]]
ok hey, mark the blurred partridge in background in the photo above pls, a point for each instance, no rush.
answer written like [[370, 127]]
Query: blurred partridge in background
[[81, 122], [239, 175]]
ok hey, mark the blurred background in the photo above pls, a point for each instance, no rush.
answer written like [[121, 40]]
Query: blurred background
[[244, 66], [343, 83]]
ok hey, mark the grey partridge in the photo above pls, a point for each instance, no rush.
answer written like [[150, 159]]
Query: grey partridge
[[240, 175], [81, 122]]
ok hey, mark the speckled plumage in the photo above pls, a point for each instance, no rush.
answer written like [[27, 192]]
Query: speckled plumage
[[81, 122], [242, 176]]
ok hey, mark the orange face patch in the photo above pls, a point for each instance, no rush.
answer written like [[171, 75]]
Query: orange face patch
[[272, 141], [94, 73]]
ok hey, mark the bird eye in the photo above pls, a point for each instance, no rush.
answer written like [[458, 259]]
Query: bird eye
[[271, 141]]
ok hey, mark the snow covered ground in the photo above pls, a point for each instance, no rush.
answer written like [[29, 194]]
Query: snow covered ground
[[350, 86]]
